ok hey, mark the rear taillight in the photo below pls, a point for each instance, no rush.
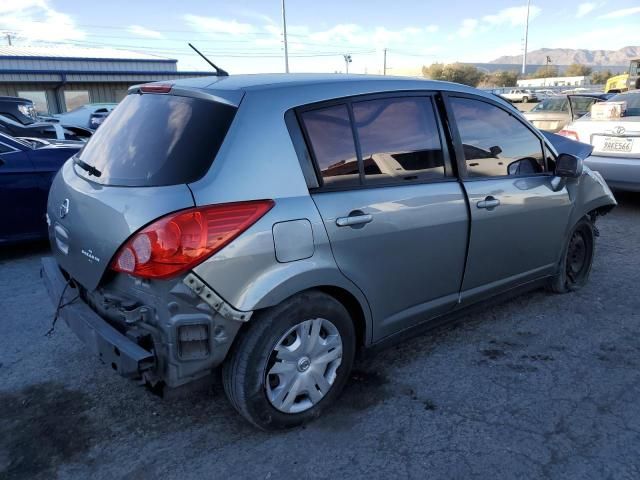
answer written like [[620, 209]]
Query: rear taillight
[[179, 241], [569, 134]]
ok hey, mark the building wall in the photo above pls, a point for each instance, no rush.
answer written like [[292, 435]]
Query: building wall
[[580, 81]]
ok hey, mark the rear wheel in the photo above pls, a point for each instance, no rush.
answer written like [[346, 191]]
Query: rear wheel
[[525, 99], [291, 362], [575, 266]]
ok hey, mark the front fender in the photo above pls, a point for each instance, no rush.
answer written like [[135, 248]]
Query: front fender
[[591, 193]]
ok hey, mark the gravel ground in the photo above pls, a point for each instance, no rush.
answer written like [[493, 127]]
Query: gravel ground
[[542, 386]]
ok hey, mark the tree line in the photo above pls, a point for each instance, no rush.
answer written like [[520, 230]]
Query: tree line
[[473, 76]]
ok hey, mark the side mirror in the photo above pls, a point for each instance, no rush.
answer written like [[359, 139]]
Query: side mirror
[[568, 165], [495, 151]]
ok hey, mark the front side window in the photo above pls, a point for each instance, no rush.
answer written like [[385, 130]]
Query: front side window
[[331, 137], [399, 139], [494, 142]]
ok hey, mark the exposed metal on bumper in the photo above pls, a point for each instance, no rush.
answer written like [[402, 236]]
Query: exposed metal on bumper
[[113, 348], [214, 300], [619, 172]]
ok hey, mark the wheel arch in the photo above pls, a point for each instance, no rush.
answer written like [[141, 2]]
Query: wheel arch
[[343, 291]]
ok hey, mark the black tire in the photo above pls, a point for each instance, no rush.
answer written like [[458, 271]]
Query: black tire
[[525, 99], [244, 373], [577, 259]]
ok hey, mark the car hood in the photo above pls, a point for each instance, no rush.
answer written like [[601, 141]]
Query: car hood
[[566, 145]]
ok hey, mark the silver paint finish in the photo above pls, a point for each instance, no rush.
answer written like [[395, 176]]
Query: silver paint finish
[[399, 251], [293, 240], [101, 218], [520, 238], [410, 254]]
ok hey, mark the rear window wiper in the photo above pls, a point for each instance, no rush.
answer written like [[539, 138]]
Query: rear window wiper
[[85, 166]]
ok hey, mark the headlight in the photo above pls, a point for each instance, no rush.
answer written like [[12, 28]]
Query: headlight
[[24, 109]]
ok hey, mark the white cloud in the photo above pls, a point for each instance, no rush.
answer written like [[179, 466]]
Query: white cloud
[[432, 28], [513, 16], [36, 20], [510, 17], [585, 8], [216, 25], [144, 32], [621, 13], [468, 27]]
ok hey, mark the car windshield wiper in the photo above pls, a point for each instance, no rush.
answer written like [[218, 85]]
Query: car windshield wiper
[[85, 166]]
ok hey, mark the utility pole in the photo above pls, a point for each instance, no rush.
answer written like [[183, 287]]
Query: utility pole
[[384, 65], [347, 60], [9, 39], [286, 47], [526, 40]]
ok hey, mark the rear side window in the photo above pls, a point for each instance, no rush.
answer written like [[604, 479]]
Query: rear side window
[[399, 139], [493, 139], [331, 138], [153, 140]]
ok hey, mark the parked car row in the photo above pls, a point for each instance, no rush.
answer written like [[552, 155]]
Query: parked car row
[[27, 167], [554, 113]]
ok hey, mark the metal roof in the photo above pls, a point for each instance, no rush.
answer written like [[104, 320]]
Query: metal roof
[[69, 52]]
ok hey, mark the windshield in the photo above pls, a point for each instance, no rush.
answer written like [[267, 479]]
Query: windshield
[[153, 139], [633, 103], [552, 105]]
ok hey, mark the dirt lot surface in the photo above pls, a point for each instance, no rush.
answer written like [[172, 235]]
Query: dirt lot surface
[[542, 386]]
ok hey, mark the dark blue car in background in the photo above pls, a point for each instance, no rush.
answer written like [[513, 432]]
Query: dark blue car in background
[[27, 168]]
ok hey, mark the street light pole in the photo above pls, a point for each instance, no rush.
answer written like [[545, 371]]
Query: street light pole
[[347, 60], [526, 40], [284, 31], [384, 65]]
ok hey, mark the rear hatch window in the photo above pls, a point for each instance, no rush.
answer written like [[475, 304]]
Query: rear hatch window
[[154, 140]]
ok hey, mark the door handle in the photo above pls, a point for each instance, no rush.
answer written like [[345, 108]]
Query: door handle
[[352, 220], [489, 203]]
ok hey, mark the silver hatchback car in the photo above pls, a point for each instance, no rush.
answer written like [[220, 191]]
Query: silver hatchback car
[[272, 225]]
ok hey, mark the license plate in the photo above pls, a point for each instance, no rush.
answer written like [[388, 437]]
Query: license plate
[[613, 144]]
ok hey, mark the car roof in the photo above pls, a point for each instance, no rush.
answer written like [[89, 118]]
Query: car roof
[[313, 87]]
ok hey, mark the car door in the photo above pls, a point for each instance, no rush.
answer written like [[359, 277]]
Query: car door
[[395, 215], [18, 184], [519, 210], [579, 105]]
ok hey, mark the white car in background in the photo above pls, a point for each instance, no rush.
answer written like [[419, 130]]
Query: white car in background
[[616, 143], [519, 95]]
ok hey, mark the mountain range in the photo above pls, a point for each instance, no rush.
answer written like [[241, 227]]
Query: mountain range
[[567, 56]]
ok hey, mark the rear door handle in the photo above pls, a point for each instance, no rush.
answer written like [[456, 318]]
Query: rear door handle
[[351, 220], [489, 203]]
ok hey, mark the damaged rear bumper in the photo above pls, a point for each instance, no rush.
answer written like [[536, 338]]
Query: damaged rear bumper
[[112, 347]]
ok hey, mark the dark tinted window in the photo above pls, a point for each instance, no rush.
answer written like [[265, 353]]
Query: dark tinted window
[[492, 139], [331, 138], [157, 140], [399, 139]]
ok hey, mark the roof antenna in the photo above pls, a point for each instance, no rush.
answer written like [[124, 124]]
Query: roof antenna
[[219, 71]]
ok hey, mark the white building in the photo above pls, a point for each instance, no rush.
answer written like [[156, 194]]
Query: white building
[[581, 81]]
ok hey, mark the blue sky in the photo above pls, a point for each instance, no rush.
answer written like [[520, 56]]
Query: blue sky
[[244, 36]]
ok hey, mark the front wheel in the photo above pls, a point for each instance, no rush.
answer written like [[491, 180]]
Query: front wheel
[[525, 99], [291, 362], [575, 265]]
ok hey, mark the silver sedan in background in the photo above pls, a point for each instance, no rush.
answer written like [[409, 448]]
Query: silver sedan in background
[[615, 142]]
